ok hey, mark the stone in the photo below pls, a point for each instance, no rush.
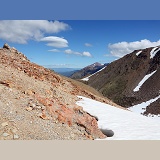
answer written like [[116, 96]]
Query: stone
[[6, 46], [38, 107], [33, 105], [4, 124], [29, 108], [107, 132], [5, 134], [43, 107], [15, 136], [29, 92], [43, 116]]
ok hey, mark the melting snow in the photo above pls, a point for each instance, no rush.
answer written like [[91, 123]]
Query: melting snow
[[143, 80], [126, 125], [87, 78], [140, 108], [153, 52], [138, 53]]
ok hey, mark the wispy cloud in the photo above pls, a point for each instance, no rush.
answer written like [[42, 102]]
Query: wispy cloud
[[69, 51], [54, 50], [20, 31], [86, 54], [122, 48], [88, 45], [54, 41]]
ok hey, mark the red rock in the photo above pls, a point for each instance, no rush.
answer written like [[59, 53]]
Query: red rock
[[90, 124]]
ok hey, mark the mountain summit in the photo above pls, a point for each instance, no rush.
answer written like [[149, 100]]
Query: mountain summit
[[87, 71]]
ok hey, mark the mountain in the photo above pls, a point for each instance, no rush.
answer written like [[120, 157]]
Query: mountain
[[132, 80], [37, 103], [65, 71], [87, 71]]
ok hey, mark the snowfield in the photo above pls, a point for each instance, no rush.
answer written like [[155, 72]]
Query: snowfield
[[126, 125], [87, 78], [143, 80]]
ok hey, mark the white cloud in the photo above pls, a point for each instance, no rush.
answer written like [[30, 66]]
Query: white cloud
[[122, 48], [69, 51], [55, 41], [54, 50], [86, 54], [88, 45], [20, 31]]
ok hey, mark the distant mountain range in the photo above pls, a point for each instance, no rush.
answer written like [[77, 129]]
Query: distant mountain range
[[88, 71], [131, 80], [65, 71]]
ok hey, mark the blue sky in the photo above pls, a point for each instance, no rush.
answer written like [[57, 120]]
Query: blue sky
[[78, 43]]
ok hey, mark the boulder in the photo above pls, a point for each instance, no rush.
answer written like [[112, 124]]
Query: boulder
[[107, 132], [6, 46]]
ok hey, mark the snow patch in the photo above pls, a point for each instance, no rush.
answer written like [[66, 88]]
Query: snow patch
[[140, 108], [87, 78], [138, 53], [143, 80], [153, 52], [126, 125]]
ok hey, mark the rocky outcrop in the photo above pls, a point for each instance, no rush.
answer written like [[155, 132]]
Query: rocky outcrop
[[19, 61]]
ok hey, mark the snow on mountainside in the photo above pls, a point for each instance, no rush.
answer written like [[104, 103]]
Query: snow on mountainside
[[87, 78], [138, 53], [154, 51], [143, 81], [126, 125], [132, 79]]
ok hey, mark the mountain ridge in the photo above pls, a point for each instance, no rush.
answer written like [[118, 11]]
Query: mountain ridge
[[119, 79]]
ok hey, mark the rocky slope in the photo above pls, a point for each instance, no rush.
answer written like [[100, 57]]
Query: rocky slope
[[131, 80], [36, 103], [87, 71]]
